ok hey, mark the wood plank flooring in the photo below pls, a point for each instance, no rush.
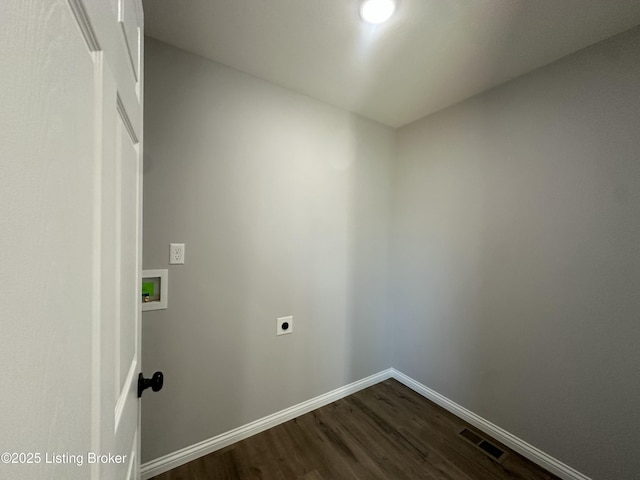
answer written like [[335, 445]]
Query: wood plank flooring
[[385, 432]]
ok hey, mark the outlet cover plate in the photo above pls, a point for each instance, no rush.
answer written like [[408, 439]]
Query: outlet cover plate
[[284, 326], [176, 254]]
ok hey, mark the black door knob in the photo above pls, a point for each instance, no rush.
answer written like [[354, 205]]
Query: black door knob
[[155, 382]]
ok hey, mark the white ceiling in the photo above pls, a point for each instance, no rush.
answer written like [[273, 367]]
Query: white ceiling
[[431, 54]]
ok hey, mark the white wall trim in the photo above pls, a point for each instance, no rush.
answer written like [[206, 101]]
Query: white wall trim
[[523, 448], [173, 460]]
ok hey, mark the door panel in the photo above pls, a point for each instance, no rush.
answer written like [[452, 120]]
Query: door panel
[[48, 171], [127, 227], [70, 223], [121, 206], [129, 23]]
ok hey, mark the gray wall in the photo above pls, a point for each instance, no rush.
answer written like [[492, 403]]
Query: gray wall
[[515, 252], [516, 257], [282, 202]]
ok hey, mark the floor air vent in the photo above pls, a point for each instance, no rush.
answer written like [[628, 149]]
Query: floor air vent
[[483, 445]]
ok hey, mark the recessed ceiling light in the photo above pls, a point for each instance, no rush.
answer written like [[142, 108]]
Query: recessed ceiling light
[[377, 11]]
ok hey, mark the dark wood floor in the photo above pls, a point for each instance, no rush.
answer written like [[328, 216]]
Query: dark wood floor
[[385, 432]]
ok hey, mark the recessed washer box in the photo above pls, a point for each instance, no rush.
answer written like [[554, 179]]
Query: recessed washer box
[[154, 289]]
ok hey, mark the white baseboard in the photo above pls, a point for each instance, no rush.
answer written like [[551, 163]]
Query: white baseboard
[[523, 448], [173, 460]]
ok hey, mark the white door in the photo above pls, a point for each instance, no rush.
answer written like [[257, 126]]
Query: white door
[[70, 238]]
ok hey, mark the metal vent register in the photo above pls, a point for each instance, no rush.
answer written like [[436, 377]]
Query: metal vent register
[[483, 445]]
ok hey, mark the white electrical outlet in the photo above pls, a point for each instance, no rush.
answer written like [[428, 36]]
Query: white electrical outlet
[[284, 326], [176, 254]]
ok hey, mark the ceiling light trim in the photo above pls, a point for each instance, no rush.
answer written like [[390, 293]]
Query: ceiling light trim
[[377, 11]]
